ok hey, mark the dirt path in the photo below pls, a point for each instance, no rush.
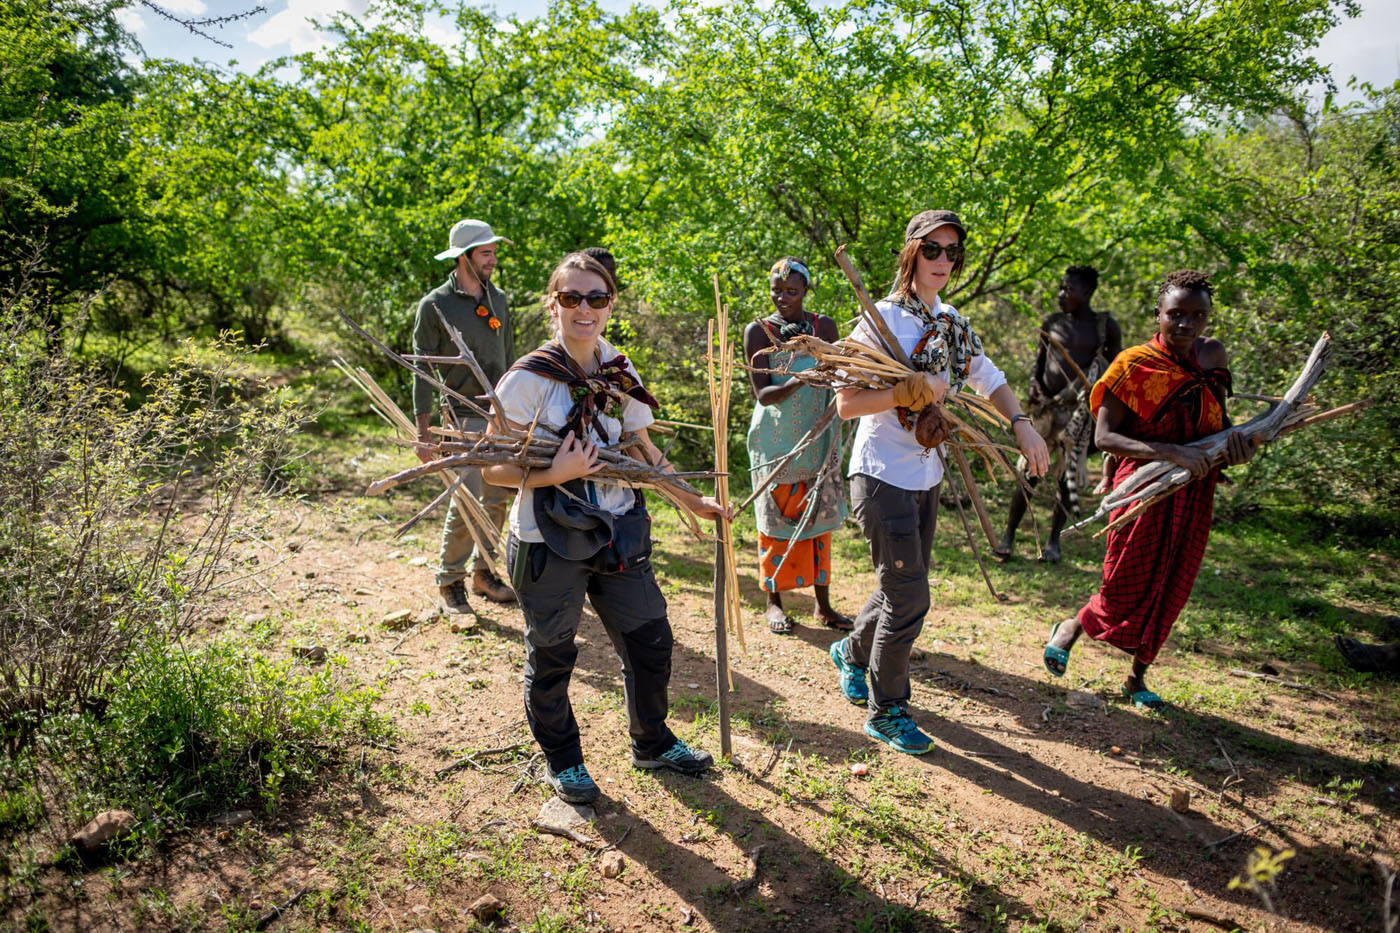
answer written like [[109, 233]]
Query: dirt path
[[1037, 810]]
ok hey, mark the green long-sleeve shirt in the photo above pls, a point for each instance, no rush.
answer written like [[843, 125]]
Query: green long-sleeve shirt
[[494, 347]]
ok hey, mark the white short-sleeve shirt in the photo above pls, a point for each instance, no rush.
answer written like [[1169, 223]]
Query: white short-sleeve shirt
[[883, 448], [522, 394]]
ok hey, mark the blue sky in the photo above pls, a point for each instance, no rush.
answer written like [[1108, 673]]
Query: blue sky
[[1367, 47]]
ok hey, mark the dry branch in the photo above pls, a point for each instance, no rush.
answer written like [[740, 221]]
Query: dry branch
[[1155, 481]]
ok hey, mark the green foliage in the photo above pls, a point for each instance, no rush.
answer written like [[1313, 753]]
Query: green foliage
[[199, 730], [96, 549]]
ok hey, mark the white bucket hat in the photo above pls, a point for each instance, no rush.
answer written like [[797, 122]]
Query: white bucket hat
[[467, 234]]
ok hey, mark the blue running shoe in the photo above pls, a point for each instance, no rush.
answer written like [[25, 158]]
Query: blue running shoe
[[853, 685], [896, 729], [679, 757], [572, 785]]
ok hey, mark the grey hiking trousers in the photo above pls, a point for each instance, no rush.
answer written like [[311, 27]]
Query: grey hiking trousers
[[898, 524]]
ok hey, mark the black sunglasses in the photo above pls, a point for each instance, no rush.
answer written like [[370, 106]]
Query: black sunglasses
[[954, 251], [570, 300]]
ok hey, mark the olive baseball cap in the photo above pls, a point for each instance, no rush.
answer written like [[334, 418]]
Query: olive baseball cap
[[924, 223], [468, 234]]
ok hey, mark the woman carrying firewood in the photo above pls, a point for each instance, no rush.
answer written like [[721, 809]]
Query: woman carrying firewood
[[572, 536], [796, 516], [895, 477], [1153, 400]]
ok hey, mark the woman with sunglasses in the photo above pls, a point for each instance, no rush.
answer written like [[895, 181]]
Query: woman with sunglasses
[[571, 536], [807, 502], [894, 478]]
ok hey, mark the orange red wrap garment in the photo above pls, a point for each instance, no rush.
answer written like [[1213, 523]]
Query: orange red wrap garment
[[1151, 564]]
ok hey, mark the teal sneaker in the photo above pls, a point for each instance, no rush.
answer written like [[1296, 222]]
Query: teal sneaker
[[896, 729], [853, 685], [679, 757], [572, 785]]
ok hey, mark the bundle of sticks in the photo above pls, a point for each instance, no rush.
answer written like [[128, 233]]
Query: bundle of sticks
[[501, 442], [851, 363], [1155, 481]]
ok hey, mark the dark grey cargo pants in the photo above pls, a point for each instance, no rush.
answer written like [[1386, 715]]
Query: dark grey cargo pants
[[633, 611], [899, 525]]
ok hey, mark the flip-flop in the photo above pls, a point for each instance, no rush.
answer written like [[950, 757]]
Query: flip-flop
[[1145, 700], [1000, 555], [1056, 659], [842, 623], [781, 626]]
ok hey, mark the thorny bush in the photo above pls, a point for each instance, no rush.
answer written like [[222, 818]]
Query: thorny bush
[[114, 516]]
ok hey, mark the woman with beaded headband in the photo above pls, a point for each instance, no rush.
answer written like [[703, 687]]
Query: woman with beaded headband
[[796, 516]]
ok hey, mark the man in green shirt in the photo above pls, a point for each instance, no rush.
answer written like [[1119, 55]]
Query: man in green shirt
[[477, 309]]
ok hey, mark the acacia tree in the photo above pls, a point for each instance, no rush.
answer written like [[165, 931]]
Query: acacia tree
[[782, 127]]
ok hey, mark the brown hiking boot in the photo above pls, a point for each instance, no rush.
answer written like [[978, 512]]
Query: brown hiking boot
[[454, 597], [485, 583]]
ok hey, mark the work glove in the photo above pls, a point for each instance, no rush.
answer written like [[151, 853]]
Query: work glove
[[912, 392]]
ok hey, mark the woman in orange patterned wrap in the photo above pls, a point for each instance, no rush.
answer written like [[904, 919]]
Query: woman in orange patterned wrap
[[1153, 400]]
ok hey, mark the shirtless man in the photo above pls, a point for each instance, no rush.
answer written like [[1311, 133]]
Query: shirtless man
[[1058, 403]]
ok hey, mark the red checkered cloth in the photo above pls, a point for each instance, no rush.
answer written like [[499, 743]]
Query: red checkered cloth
[[1151, 563]]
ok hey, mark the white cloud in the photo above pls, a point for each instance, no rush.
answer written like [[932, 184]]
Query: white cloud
[[131, 21], [442, 32], [1367, 47], [184, 7], [291, 28]]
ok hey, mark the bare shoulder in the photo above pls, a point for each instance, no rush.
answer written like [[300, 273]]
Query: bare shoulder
[[826, 328], [756, 337], [1210, 353], [1056, 322]]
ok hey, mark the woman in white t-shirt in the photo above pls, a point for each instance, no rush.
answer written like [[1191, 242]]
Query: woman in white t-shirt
[[571, 536], [894, 478]]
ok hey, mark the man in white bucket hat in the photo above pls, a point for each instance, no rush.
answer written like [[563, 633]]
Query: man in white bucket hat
[[478, 310]]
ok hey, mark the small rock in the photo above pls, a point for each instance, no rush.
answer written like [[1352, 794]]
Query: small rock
[[418, 562], [422, 910], [612, 864], [487, 908], [860, 769], [395, 555], [310, 574], [565, 818], [357, 638], [1181, 800], [462, 625], [1115, 750], [693, 686], [361, 591], [313, 653], [254, 618], [102, 830], [294, 546], [233, 818], [1082, 699], [399, 619]]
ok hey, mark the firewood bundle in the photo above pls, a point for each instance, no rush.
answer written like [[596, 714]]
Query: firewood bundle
[[1155, 481], [531, 448]]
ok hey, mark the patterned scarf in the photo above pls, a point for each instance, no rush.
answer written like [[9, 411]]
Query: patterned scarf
[[948, 343], [593, 395], [1152, 382]]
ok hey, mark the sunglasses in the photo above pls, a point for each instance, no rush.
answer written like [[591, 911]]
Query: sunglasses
[[954, 251], [571, 300]]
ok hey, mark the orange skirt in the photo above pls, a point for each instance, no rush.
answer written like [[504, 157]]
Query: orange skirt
[[791, 565]]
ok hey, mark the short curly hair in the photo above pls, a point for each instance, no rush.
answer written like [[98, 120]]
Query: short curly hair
[[1187, 279], [1086, 274]]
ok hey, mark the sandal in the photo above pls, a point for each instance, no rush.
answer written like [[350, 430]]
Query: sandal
[[781, 626], [842, 623], [1056, 659], [1145, 700]]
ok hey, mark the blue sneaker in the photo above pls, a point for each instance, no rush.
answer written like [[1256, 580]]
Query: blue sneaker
[[896, 729], [572, 785], [679, 757], [853, 685]]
